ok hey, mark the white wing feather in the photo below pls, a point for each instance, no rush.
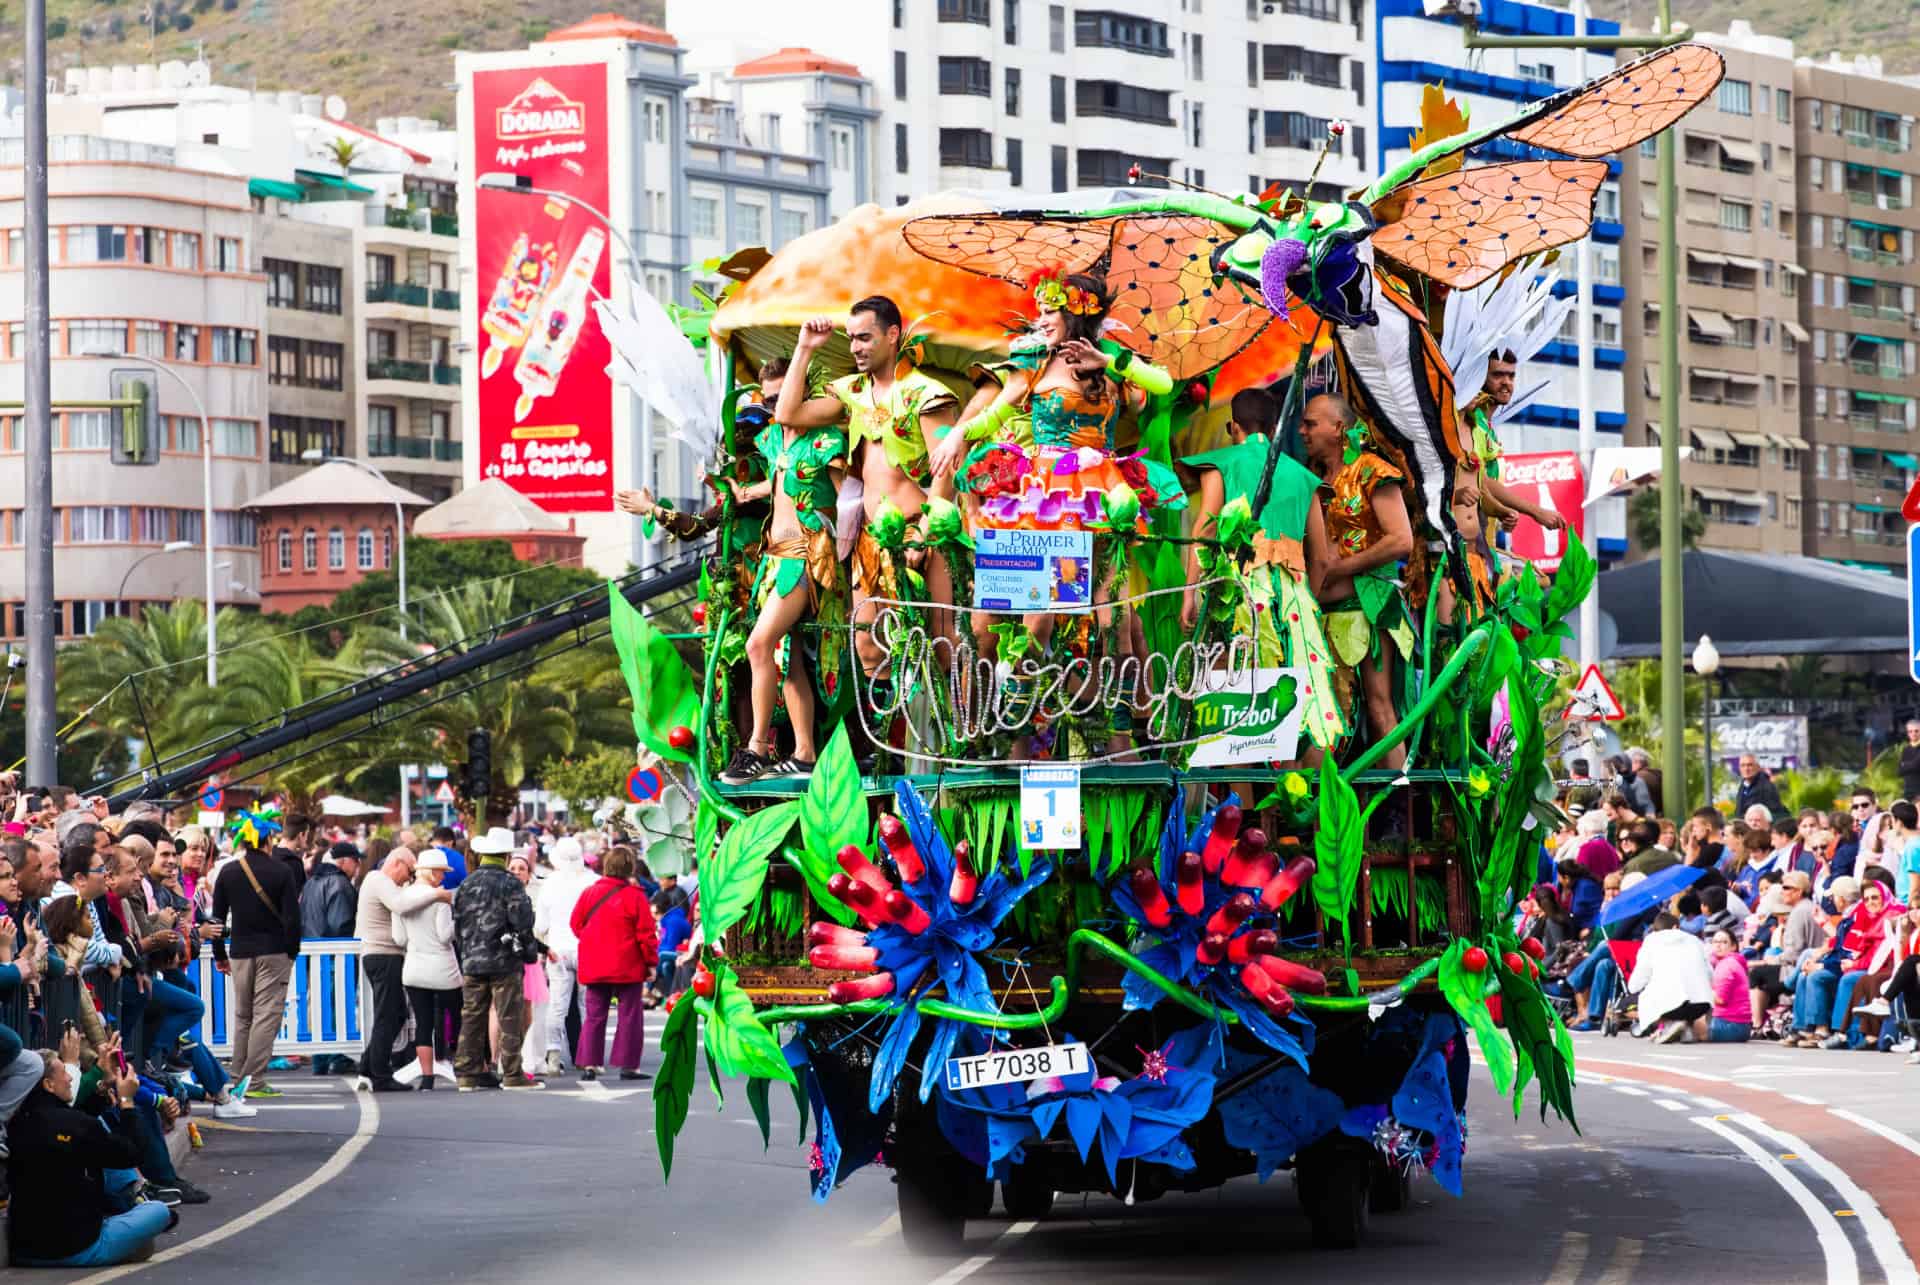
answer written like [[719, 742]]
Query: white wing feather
[[656, 361], [1518, 313]]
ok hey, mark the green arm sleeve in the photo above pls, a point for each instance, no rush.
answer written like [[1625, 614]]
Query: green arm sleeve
[[1139, 372], [987, 424]]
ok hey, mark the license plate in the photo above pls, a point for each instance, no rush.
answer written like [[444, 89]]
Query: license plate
[[1008, 1066]]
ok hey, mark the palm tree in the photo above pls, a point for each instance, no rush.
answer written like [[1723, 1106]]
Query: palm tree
[[143, 675], [1643, 516], [344, 151]]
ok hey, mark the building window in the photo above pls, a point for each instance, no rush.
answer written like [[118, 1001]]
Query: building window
[[794, 224], [1058, 100], [655, 110], [969, 148], [233, 530], [324, 364], [965, 11], [899, 73], [1297, 130], [323, 289], [1123, 102], [1098, 167], [1289, 62], [1736, 216], [1198, 117], [840, 147], [233, 346], [379, 270], [155, 523], [1198, 69], [227, 256], [381, 421], [281, 278], [1735, 97], [99, 524], [899, 148], [336, 550], [1102, 29], [310, 550], [386, 546], [96, 337], [363, 548], [283, 360], [1011, 79], [1059, 168], [1010, 20], [749, 223], [89, 430], [236, 437], [150, 339], [1016, 164], [186, 250], [96, 245], [286, 548], [1783, 106], [1057, 28], [703, 216], [966, 76]]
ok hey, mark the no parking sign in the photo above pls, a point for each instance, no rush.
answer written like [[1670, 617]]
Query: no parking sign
[[643, 785]]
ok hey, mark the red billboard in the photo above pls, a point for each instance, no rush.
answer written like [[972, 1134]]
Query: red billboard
[[1553, 481], [546, 401]]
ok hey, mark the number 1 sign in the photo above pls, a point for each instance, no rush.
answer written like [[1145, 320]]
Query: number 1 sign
[[1049, 807]]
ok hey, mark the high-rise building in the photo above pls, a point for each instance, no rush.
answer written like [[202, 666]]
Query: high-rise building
[[1032, 97], [1416, 51], [1739, 384], [1853, 131]]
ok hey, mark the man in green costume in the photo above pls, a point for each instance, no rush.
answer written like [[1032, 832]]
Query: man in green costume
[[1272, 599]]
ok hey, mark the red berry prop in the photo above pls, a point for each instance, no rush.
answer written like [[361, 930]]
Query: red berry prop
[[1282, 886], [825, 934], [700, 613], [1226, 828], [681, 738], [1152, 898], [704, 984], [861, 899], [906, 912], [1474, 960], [1231, 915], [899, 845], [965, 881], [1514, 963], [1242, 949], [1534, 947], [878, 986], [1246, 865], [1260, 984], [1293, 976], [1189, 883], [851, 959], [1211, 950], [855, 863], [671, 1001]]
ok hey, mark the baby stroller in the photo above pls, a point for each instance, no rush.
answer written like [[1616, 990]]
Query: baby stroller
[[1621, 1008]]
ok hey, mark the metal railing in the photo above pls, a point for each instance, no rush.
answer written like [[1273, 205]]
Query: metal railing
[[446, 375], [418, 372], [397, 446], [447, 300], [398, 292]]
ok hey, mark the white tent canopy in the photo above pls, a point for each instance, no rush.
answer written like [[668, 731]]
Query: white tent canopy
[[338, 805]]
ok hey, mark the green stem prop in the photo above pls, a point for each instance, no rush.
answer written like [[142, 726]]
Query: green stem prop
[[1469, 645]]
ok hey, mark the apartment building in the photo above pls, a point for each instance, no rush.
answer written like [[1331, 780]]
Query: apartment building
[[152, 269], [1415, 51], [1856, 226], [1029, 97], [1740, 386]]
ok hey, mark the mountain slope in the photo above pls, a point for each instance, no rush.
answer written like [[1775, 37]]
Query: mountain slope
[[1816, 27], [385, 59]]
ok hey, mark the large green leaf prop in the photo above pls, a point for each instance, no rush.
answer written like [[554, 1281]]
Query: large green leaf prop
[[1467, 993], [1336, 847], [1537, 1044], [665, 695], [1571, 582], [736, 1040], [728, 887], [673, 1082], [833, 814]]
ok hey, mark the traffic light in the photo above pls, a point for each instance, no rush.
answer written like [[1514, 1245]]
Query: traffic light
[[138, 441], [479, 763]]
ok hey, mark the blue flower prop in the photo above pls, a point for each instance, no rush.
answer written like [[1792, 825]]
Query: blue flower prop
[[1137, 1119], [945, 953], [1173, 949]]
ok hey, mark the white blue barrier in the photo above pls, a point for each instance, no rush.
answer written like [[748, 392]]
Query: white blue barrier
[[325, 998]]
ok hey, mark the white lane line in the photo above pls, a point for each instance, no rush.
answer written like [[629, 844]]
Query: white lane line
[[298, 1106], [1671, 1104], [1843, 1267], [1573, 1257], [1626, 1257], [1629, 1090], [1713, 1104], [1894, 1136], [885, 1230], [955, 1275], [1880, 1234], [1585, 1060], [336, 1164], [1804, 1099]]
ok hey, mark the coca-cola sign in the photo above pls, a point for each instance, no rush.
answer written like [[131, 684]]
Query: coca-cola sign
[[1549, 481], [1776, 740]]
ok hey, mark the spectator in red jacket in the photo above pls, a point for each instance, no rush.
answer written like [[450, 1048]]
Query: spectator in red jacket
[[619, 948]]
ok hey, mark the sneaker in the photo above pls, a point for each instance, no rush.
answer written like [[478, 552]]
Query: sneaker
[[588, 1073], [634, 1075], [1835, 1041], [168, 1196], [238, 1089], [1907, 1045], [792, 766], [1670, 1032], [744, 768], [1875, 1008], [261, 1089], [555, 1064], [1913, 1058], [427, 1083], [521, 1082], [388, 1084], [234, 1109], [478, 1083], [188, 1193]]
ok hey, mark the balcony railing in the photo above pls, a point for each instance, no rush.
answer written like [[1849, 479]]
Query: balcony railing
[[447, 300], [444, 225], [1886, 257], [398, 292], [413, 448], [418, 372], [1864, 253], [1860, 309], [1889, 313], [446, 375], [1888, 144]]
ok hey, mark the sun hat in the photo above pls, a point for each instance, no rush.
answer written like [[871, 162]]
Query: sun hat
[[496, 842], [432, 859]]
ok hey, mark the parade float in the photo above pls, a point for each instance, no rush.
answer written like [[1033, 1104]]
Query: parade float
[[1127, 891]]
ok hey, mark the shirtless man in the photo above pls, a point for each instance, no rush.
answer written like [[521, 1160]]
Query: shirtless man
[[1365, 510], [1508, 506], [894, 419]]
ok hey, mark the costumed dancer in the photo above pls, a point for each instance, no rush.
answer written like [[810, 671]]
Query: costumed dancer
[[1041, 456], [1370, 531], [894, 415], [799, 576], [1275, 602]]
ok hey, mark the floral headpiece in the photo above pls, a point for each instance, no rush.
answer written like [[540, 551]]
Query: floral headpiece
[[1053, 293]]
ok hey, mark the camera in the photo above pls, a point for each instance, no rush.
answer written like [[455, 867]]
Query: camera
[[16, 661]]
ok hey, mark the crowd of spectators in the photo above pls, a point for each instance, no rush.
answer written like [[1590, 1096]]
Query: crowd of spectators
[[507, 952], [1799, 928]]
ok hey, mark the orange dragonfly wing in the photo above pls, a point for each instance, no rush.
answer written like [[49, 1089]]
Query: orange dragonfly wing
[[1632, 103], [1461, 228]]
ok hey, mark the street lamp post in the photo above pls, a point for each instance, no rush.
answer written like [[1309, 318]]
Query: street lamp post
[[171, 546], [1706, 662], [206, 493], [399, 519], [1673, 708]]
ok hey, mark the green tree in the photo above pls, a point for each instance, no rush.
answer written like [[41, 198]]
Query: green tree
[[445, 563], [583, 780], [1643, 517], [143, 675]]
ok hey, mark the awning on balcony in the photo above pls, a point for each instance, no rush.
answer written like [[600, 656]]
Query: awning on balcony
[[1881, 340], [1795, 329], [1706, 256], [1787, 442], [1897, 399], [273, 187], [1712, 439], [1755, 440], [1742, 377], [1900, 459], [1707, 372], [1712, 324], [1873, 508], [1736, 150], [1745, 499], [1741, 261], [1793, 269], [319, 179]]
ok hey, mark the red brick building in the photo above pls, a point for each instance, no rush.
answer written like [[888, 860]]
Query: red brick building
[[492, 510], [324, 531]]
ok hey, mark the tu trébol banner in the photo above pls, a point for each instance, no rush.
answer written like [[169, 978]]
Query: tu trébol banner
[[1264, 716]]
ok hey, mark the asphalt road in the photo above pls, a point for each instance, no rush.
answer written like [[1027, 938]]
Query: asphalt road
[[1698, 1164]]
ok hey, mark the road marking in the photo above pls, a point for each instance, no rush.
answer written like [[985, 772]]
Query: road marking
[[1894, 1136], [1843, 1267], [1712, 1104], [1880, 1234], [1629, 1090], [1672, 1104], [298, 1106], [955, 1275], [1626, 1257], [885, 1230], [1573, 1257], [335, 1165], [1804, 1099]]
